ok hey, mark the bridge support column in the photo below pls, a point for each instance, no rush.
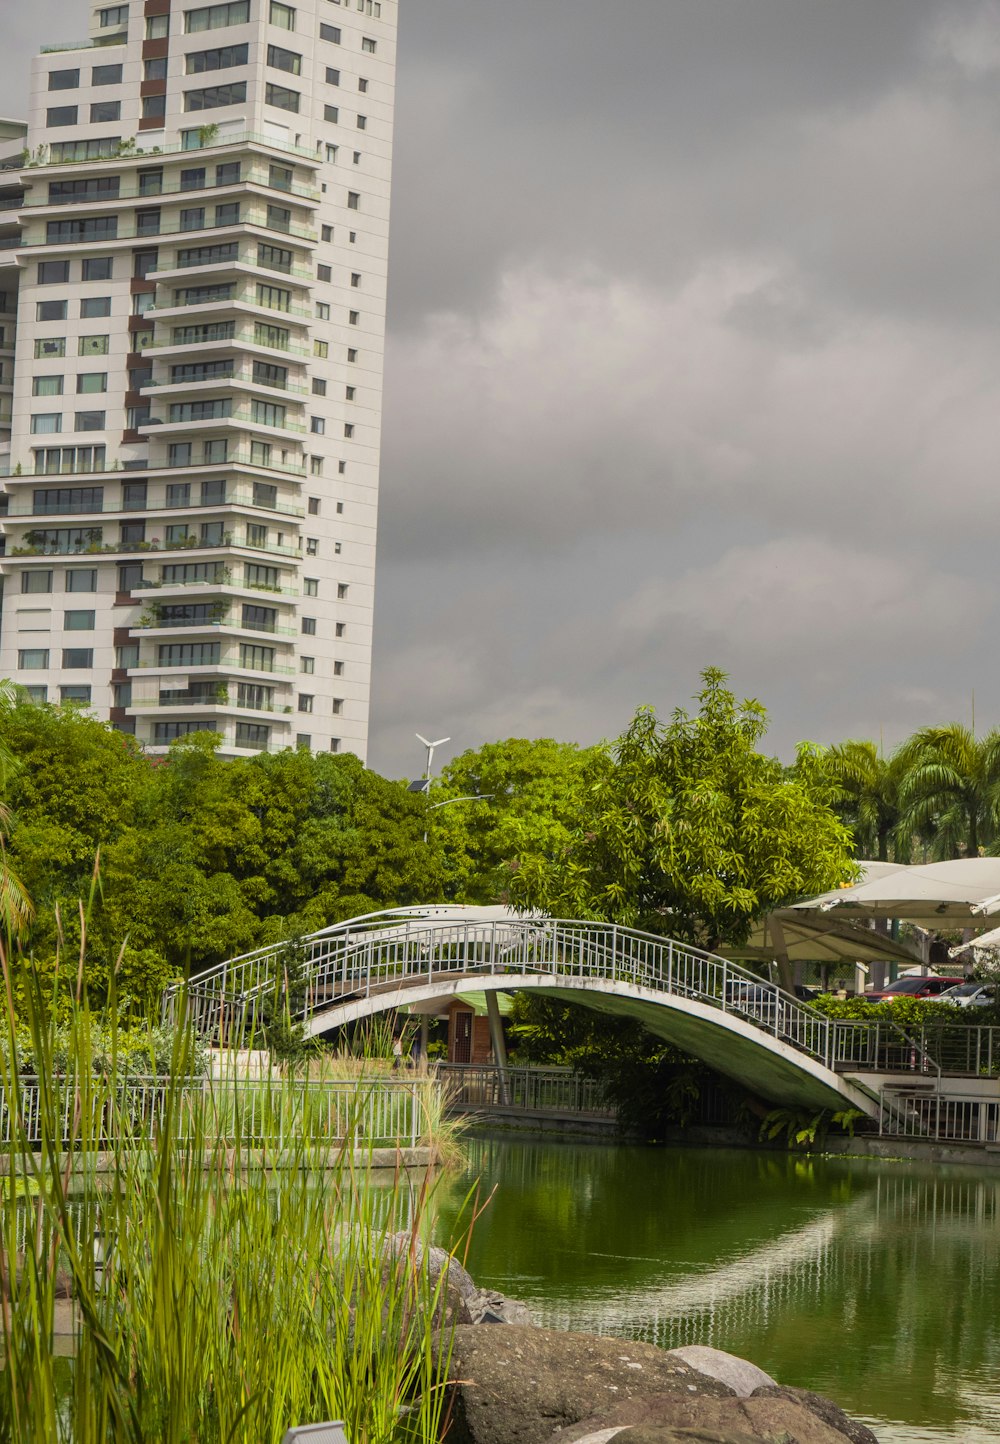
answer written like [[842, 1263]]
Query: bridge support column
[[499, 1046]]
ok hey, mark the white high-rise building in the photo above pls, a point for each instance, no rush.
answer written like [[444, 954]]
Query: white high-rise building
[[193, 258]]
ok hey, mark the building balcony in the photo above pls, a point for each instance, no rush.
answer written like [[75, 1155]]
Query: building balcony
[[237, 420], [131, 152], [243, 380], [146, 196], [243, 263]]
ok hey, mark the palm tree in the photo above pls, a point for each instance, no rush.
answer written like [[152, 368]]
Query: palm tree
[[950, 793], [866, 787]]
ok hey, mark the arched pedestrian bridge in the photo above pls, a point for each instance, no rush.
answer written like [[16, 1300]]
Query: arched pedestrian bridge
[[706, 1005]]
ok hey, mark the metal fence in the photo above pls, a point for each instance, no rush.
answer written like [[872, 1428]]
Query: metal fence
[[541, 1090], [247, 1112], [938, 1117]]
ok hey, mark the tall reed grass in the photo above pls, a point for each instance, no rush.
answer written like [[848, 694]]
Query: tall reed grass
[[214, 1297]]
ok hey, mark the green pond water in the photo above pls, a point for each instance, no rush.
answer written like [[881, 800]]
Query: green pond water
[[877, 1283]]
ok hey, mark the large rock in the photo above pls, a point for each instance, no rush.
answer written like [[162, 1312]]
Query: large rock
[[823, 1408], [517, 1385], [741, 1376], [672, 1418], [489, 1307]]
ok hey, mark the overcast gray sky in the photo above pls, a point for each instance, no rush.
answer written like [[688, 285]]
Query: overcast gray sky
[[693, 359]]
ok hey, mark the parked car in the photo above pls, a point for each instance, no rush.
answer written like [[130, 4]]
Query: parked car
[[931, 987], [971, 995]]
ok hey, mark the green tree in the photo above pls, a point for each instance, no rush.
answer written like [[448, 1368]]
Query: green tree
[[866, 788], [693, 831], [530, 790], [950, 795], [16, 907]]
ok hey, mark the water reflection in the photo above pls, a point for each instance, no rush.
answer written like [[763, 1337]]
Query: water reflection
[[875, 1282]]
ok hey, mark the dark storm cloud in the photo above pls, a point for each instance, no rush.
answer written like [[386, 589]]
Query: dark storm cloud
[[692, 358]]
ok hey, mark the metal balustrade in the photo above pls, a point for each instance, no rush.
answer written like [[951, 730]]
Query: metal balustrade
[[939, 1117], [539, 1090], [250, 1112]]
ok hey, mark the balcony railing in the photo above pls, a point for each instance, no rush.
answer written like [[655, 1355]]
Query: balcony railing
[[136, 152], [242, 258], [243, 378], [134, 193]]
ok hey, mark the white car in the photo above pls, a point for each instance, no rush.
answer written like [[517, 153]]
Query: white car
[[970, 995]]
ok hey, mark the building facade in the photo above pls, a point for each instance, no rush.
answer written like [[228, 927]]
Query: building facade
[[193, 254]]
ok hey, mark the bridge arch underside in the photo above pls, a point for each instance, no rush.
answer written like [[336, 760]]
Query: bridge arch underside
[[733, 1045]]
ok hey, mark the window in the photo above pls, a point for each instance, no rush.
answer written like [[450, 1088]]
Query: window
[[113, 16], [303, 741], [97, 188], [32, 582], [216, 95], [352, 354], [305, 701], [326, 233], [106, 75], [316, 467], [144, 263], [353, 200], [362, 122], [312, 547], [49, 500], [228, 173], [89, 421], [368, 45], [350, 393], [81, 579], [73, 150], [155, 69], [178, 494], [75, 695], [222, 58], [255, 658], [215, 17], [309, 626], [314, 506], [274, 258], [307, 665], [98, 268], [64, 79], [282, 15], [47, 386], [154, 107], [193, 218], [157, 27], [179, 453], [61, 115], [357, 157], [92, 228], [252, 735], [78, 621], [322, 311], [256, 535], [78, 658], [284, 60], [334, 744], [213, 493], [208, 255], [331, 33], [255, 575], [310, 587], [93, 346], [321, 348], [91, 383], [279, 177], [363, 86], [50, 310], [281, 97], [337, 706], [46, 423], [51, 273], [132, 532], [348, 429], [37, 694], [341, 468], [267, 413], [318, 387], [317, 425], [193, 178], [332, 113], [332, 76], [189, 654], [331, 155], [101, 111], [33, 659], [340, 630], [355, 278], [134, 496], [341, 591], [215, 452], [213, 410], [260, 453], [170, 731], [338, 669], [279, 218], [92, 306], [227, 214], [353, 317]]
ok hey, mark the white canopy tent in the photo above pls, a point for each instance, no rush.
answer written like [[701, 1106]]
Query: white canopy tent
[[959, 893]]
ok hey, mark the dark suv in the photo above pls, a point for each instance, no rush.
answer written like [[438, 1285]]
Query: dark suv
[[909, 988]]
